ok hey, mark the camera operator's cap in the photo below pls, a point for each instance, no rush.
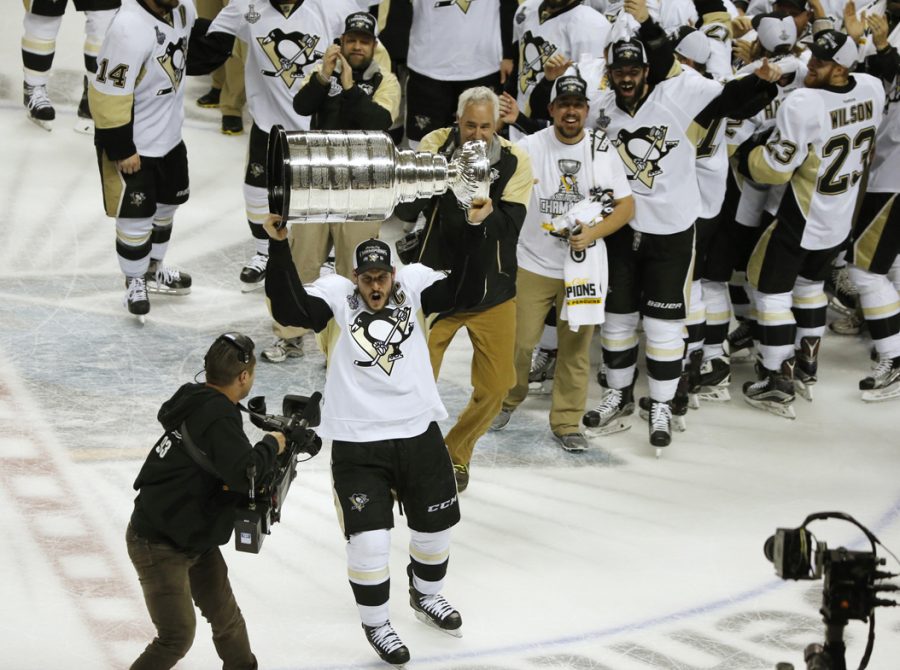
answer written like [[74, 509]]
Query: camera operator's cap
[[372, 254], [834, 46], [360, 22], [692, 44], [799, 4], [775, 30], [627, 52], [569, 85]]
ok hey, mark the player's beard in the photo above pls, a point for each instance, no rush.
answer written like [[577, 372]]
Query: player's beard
[[376, 300], [636, 94]]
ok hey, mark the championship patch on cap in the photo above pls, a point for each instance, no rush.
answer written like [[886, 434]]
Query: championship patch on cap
[[372, 254], [834, 46], [775, 31], [360, 22], [627, 52], [569, 84]]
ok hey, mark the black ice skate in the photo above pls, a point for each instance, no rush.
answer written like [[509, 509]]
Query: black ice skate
[[844, 296], [678, 413], [740, 342], [84, 122], [37, 104], [387, 644], [540, 377], [807, 366], [883, 383], [435, 611], [774, 392], [136, 299], [715, 377], [609, 416], [660, 425], [253, 274], [165, 280]]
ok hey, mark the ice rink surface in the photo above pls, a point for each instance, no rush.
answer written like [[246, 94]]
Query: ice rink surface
[[608, 560]]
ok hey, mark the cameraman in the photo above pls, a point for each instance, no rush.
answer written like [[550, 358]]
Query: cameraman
[[189, 486]]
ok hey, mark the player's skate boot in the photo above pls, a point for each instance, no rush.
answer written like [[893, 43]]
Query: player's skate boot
[[387, 644], [807, 357], [136, 299], [679, 403], [84, 122], [540, 377], [282, 349], [884, 382], [678, 421], [435, 611], [609, 416], [740, 342], [253, 274], [660, 425], [167, 281], [774, 392], [843, 292], [715, 376], [694, 363], [461, 474], [851, 324], [37, 103]]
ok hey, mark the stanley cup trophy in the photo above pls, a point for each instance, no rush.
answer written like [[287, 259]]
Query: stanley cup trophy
[[330, 176]]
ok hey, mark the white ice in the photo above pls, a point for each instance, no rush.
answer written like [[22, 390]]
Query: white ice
[[610, 560]]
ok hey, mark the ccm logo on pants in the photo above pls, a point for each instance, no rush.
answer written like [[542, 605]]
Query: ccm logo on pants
[[443, 505]]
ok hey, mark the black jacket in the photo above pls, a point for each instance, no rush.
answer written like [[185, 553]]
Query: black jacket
[[490, 276], [353, 109], [179, 502]]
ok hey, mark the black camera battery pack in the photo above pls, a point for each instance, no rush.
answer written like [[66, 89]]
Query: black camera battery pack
[[248, 531]]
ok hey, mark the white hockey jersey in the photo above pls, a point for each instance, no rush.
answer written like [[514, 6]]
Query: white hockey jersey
[[885, 174], [658, 146], [455, 41], [821, 145], [565, 174], [282, 48], [140, 68], [379, 383], [577, 31]]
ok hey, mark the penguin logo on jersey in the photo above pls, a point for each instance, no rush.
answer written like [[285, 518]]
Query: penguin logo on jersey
[[462, 4], [642, 151], [289, 53], [173, 62], [534, 52], [567, 194], [380, 336]]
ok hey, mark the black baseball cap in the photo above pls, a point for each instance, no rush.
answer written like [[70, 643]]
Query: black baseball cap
[[360, 22], [372, 254], [834, 46], [570, 85], [799, 4], [627, 52]]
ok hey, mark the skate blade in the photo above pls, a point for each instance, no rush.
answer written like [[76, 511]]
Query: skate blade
[[84, 126], [46, 125], [161, 290], [616, 426], [427, 620], [776, 408], [659, 451], [880, 395], [247, 287], [714, 394], [747, 355], [540, 388], [693, 401], [840, 307], [803, 390], [679, 423]]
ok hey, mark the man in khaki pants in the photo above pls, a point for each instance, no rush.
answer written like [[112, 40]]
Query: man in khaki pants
[[227, 92]]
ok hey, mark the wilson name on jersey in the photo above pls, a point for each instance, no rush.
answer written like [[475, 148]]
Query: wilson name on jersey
[[821, 147]]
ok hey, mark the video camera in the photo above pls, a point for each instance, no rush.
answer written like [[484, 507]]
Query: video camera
[[850, 590], [300, 414]]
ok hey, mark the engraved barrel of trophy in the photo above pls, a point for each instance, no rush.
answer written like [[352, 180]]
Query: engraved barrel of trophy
[[329, 176]]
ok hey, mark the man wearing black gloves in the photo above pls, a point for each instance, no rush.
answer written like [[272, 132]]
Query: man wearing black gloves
[[189, 487], [348, 90]]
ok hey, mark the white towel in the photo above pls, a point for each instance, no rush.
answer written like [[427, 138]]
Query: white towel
[[586, 276]]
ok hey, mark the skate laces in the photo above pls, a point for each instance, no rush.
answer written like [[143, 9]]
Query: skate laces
[[436, 605], [610, 404], [885, 365], [385, 637], [258, 262], [842, 282], [37, 97], [166, 275], [660, 416], [541, 358], [136, 290]]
